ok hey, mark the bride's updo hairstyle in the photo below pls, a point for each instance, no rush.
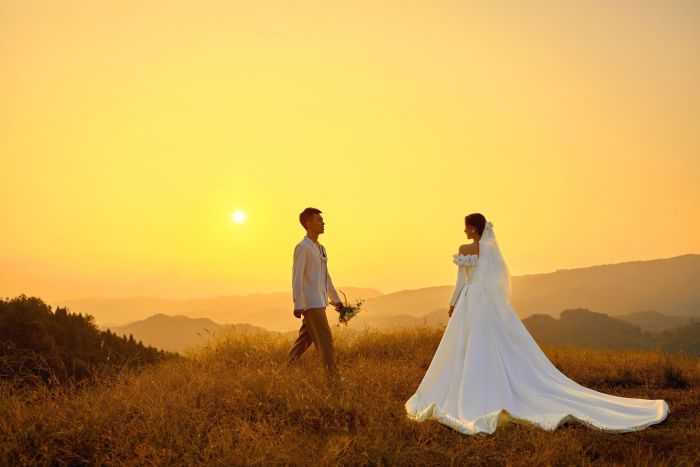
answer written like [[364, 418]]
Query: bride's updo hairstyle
[[477, 221]]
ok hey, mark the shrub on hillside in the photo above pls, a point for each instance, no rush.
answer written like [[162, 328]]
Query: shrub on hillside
[[39, 344]]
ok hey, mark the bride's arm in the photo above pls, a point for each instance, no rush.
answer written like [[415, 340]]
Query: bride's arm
[[461, 280]]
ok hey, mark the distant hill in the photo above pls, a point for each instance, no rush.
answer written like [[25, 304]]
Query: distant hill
[[576, 327], [270, 310], [437, 318], [667, 286], [654, 321], [584, 328], [685, 338], [177, 333], [587, 329], [416, 303]]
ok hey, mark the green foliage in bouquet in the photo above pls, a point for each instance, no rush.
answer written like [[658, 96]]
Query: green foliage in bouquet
[[347, 312]]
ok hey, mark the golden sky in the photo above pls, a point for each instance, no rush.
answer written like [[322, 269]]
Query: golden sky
[[130, 132]]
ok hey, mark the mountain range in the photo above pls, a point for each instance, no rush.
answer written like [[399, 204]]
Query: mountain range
[[636, 289], [586, 329], [575, 327]]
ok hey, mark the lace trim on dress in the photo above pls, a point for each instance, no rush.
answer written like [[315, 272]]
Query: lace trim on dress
[[465, 260]]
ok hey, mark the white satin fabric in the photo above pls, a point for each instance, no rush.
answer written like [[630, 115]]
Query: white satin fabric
[[488, 367]]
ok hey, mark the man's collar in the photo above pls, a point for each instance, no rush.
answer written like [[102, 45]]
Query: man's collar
[[306, 237]]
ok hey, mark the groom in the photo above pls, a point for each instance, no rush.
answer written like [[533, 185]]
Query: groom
[[311, 286]]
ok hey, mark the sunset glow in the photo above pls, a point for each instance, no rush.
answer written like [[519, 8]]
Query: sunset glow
[[130, 131], [238, 217]]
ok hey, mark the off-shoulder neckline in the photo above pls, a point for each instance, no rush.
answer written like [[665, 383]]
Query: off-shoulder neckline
[[465, 260]]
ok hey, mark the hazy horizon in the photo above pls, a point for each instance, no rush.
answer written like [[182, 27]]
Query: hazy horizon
[[270, 292], [131, 133]]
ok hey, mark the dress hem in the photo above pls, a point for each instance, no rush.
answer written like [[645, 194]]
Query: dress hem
[[488, 423]]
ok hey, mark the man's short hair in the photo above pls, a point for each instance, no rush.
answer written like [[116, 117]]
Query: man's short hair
[[307, 214]]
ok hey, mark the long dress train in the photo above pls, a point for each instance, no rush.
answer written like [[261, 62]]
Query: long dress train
[[488, 367]]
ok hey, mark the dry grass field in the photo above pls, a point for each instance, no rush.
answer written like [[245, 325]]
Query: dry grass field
[[235, 403]]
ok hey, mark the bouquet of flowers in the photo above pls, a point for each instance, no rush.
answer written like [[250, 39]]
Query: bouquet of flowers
[[347, 311]]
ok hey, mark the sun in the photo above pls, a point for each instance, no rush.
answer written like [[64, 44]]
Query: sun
[[238, 217]]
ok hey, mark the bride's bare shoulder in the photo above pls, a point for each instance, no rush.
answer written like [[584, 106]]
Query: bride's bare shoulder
[[469, 249]]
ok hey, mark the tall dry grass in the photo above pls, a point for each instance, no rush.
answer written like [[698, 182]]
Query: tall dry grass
[[235, 403]]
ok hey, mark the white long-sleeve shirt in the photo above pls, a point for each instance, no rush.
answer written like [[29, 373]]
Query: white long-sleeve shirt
[[311, 282]]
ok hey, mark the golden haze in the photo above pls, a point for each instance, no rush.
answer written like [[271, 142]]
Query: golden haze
[[130, 133]]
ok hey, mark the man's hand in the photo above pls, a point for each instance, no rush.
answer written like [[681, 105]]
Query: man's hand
[[298, 313], [338, 306], [449, 312]]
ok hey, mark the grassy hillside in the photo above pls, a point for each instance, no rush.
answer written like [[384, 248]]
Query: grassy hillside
[[235, 403]]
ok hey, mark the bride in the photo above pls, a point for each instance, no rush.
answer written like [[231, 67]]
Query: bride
[[488, 367]]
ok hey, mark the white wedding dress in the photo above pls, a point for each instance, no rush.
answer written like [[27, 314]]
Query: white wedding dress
[[488, 367]]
